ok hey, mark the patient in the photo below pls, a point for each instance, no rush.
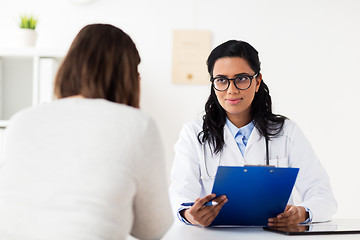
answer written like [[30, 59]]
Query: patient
[[89, 165]]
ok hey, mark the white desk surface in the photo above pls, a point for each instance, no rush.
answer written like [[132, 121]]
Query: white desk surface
[[180, 231]]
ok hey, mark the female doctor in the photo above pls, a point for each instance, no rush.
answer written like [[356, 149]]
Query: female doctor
[[238, 129]]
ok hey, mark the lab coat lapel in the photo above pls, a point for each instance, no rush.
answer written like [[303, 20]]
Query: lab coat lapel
[[231, 152], [255, 149], [254, 137]]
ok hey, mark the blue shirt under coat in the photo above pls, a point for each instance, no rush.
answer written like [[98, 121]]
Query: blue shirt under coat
[[241, 135]]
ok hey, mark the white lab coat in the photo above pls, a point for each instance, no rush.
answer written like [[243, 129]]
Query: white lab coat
[[192, 178]]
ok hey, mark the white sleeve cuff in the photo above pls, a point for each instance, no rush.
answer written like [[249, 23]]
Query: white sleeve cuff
[[309, 220], [182, 219]]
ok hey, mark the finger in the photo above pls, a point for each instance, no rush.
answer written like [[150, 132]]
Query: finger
[[220, 204], [209, 220], [207, 211], [209, 217], [198, 204], [290, 215], [204, 214], [275, 221], [285, 222], [213, 211], [282, 224], [289, 211], [219, 199], [287, 208], [282, 219], [196, 210]]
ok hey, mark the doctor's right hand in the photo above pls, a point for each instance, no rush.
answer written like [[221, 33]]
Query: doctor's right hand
[[202, 215]]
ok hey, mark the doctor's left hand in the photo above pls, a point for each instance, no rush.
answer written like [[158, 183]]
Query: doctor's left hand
[[292, 216]]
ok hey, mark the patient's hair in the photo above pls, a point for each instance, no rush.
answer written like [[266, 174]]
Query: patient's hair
[[102, 62]]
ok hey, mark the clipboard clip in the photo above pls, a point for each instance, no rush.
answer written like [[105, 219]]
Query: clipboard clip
[[259, 165], [271, 170]]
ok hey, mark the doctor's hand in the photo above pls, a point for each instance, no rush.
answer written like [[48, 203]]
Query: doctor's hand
[[202, 215], [292, 216]]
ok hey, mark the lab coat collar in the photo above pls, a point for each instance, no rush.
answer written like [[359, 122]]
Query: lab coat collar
[[254, 137], [244, 131], [231, 143], [232, 149]]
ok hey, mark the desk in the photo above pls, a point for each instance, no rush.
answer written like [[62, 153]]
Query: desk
[[180, 231]]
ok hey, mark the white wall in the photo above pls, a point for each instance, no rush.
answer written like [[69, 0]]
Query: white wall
[[309, 52]]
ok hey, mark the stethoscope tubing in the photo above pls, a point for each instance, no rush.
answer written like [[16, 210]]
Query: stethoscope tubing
[[206, 168]]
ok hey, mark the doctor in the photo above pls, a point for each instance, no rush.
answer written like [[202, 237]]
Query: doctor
[[238, 129]]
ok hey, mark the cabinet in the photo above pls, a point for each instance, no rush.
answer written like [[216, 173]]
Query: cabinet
[[26, 79]]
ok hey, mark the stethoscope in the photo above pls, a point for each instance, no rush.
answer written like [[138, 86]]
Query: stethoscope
[[203, 164]]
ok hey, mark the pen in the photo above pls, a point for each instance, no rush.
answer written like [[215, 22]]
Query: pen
[[189, 204]]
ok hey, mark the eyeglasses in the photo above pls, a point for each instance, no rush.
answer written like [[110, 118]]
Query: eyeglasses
[[241, 82]]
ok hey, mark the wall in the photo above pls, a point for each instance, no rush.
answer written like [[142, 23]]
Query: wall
[[309, 52]]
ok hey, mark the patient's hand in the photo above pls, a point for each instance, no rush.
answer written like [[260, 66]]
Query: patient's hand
[[292, 216], [202, 215]]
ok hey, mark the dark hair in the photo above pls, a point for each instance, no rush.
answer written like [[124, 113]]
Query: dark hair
[[101, 63], [269, 124]]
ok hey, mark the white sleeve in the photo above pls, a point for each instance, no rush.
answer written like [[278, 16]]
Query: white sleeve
[[312, 181], [152, 214], [185, 172]]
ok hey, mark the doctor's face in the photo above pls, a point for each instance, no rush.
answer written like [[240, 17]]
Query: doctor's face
[[236, 102]]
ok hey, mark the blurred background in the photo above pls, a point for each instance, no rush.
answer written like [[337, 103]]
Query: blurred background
[[309, 51]]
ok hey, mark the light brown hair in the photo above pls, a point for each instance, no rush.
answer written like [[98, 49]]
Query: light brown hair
[[101, 63]]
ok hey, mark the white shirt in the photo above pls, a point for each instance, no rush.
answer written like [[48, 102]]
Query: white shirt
[[195, 167], [83, 169]]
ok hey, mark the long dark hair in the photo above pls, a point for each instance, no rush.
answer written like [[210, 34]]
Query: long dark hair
[[268, 124]]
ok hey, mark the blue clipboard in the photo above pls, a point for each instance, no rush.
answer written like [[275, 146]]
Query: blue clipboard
[[255, 193]]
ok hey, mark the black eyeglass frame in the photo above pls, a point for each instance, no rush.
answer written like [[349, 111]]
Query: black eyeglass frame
[[233, 79]]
